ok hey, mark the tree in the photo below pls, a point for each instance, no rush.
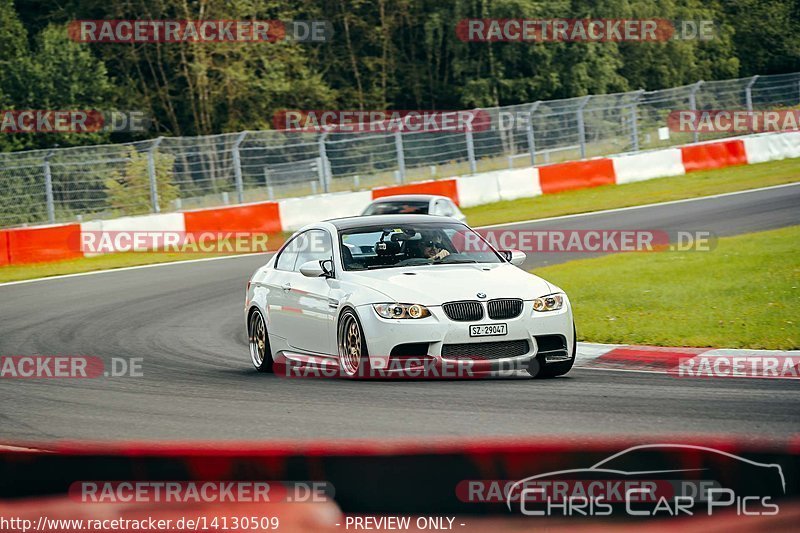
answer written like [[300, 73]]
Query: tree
[[58, 74], [129, 190], [13, 50], [766, 39]]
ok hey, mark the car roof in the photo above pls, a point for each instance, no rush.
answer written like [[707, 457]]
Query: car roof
[[387, 220], [409, 198]]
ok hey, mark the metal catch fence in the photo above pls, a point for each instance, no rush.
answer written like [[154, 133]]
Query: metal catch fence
[[175, 173]]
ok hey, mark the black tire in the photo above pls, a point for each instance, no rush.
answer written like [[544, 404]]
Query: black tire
[[540, 370], [258, 341], [352, 346]]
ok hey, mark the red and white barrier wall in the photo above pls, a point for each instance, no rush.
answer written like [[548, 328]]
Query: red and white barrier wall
[[761, 148], [41, 244], [55, 243]]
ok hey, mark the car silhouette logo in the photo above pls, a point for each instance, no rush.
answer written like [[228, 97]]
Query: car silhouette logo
[[605, 465], [481, 295]]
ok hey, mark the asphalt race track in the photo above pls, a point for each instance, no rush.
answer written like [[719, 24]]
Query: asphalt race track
[[185, 321]]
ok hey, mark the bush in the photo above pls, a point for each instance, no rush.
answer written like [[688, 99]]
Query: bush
[[129, 190]]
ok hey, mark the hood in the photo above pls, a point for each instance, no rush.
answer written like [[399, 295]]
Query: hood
[[436, 284]]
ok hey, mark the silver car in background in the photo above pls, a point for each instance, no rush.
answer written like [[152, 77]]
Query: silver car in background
[[415, 204]]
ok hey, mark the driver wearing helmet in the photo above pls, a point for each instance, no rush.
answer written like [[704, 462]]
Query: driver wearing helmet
[[429, 247]]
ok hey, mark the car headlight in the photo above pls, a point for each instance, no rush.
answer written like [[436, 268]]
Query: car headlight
[[396, 310], [549, 302]]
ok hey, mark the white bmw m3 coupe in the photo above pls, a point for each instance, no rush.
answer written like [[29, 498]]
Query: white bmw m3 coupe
[[398, 293]]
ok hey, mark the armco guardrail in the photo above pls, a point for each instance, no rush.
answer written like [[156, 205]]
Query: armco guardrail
[[56, 242], [179, 173]]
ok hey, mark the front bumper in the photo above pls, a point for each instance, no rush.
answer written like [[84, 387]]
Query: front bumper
[[383, 335]]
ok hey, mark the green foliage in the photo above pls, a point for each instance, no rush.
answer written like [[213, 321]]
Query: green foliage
[[128, 190], [13, 37], [56, 73], [401, 54], [766, 38], [13, 49]]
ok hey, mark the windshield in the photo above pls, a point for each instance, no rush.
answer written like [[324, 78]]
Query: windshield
[[414, 207], [371, 247]]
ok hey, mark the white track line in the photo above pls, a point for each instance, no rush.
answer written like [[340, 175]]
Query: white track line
[[136, 267], [591, 213]]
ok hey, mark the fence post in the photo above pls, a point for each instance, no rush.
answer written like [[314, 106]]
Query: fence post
[[151, 171], [401, 159], [48, 189], [324, 174], [581, 125], [530, 133], [634, 120], [748, 93], [473, 168], [237, 167], [693, 105], [267, 182]]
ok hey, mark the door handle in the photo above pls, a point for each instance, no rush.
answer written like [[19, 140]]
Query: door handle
[[286, 287]]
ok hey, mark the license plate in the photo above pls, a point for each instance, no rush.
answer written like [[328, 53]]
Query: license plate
[[488, 330]]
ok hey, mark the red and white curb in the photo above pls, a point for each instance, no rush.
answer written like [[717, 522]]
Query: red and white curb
[[690, 362]]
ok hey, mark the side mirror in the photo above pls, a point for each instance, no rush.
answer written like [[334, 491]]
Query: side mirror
[[327, 267], [515, 257], [312, 269]]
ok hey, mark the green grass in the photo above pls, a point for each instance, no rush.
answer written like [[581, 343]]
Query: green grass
[[87, 264], [743, 294], [585, 200], [702, 183]]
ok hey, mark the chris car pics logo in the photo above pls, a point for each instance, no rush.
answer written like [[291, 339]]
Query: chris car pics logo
[[654, 480]]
